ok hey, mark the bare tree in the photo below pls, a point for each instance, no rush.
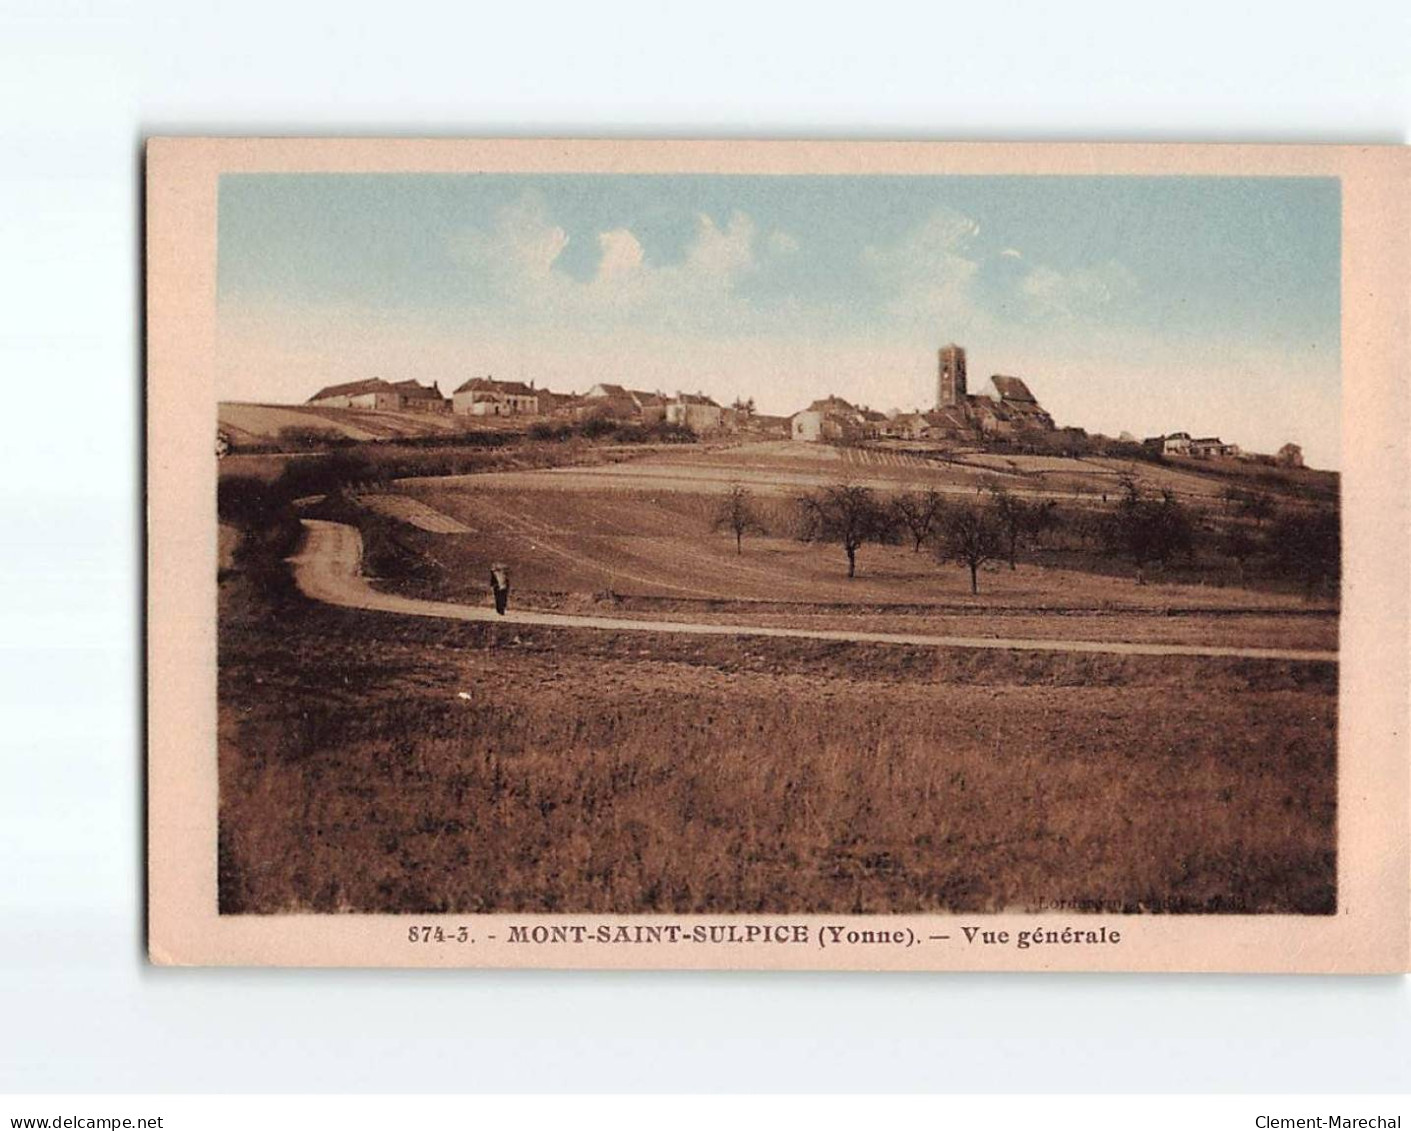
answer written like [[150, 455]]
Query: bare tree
[[919, 512], [1046, 520], [736, 513], [1016, 518], [1239, 546], [972, 536], [1149, 529], [846, 514]]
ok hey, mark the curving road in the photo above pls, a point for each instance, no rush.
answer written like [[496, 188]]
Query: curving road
[[327, 569]]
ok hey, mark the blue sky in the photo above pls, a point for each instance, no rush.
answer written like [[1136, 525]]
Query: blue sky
[[1136, 303]]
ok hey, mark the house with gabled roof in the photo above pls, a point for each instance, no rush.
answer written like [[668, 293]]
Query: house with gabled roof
[[1017, 406], [950, 420], [422, 398], [695, 411], [651, 407], [1182, 444], [1212, 447], [622, 403], [484, 396], [372, 392], [909, 426], [830, 419]]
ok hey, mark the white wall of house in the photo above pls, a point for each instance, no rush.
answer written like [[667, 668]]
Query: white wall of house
[[389, 401], [425, 404], [697, 417], [478, 403], [807, 427]]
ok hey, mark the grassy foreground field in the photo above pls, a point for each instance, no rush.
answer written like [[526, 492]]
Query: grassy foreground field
[[374, 763]]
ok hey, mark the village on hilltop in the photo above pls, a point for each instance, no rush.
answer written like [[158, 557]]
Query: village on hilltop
[[486, 396], [1005, 409]]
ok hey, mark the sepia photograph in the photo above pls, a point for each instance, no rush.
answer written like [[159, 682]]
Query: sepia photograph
[[810, 543]]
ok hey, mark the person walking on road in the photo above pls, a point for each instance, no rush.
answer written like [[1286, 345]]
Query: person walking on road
[[500, 583]]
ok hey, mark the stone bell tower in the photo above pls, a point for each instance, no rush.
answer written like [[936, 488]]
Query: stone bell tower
[[950, 384]]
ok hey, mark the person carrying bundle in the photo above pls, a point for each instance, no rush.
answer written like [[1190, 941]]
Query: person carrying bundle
[[500, 583]]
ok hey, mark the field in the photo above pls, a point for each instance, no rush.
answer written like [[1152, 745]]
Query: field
[[256, 425], [638, 536], [594, 772], [376, 762]]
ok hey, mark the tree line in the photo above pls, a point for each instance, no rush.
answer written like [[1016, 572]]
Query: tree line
[[1151, 529]]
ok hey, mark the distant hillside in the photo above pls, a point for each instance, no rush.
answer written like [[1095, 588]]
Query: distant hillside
[[255, 428]]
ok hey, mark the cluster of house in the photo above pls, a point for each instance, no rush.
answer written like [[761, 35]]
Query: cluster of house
[[695, 411], [1183, 444], [1003, 408], [486, 396], [1212, 447], [404, 396]]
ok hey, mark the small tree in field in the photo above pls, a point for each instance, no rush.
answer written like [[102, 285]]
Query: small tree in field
[[971, 535], [919, 513], [1239, 545], [1149, 529], [1045, 520], [845, 514], [1017, 520], [736, 513]]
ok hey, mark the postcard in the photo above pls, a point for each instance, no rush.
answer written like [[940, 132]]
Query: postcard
[[778, 555]]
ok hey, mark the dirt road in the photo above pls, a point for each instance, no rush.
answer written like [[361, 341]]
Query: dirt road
[[328, 569]]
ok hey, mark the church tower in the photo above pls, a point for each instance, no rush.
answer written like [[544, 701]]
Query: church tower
[[950, 386]]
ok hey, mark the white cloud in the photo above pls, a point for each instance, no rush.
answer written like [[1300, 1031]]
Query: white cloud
[[926, 281], [518, 251], [927, 274], [622, 253], [720, 254], [932, 277], [943, 239], [1076, 294], [511, 266]]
